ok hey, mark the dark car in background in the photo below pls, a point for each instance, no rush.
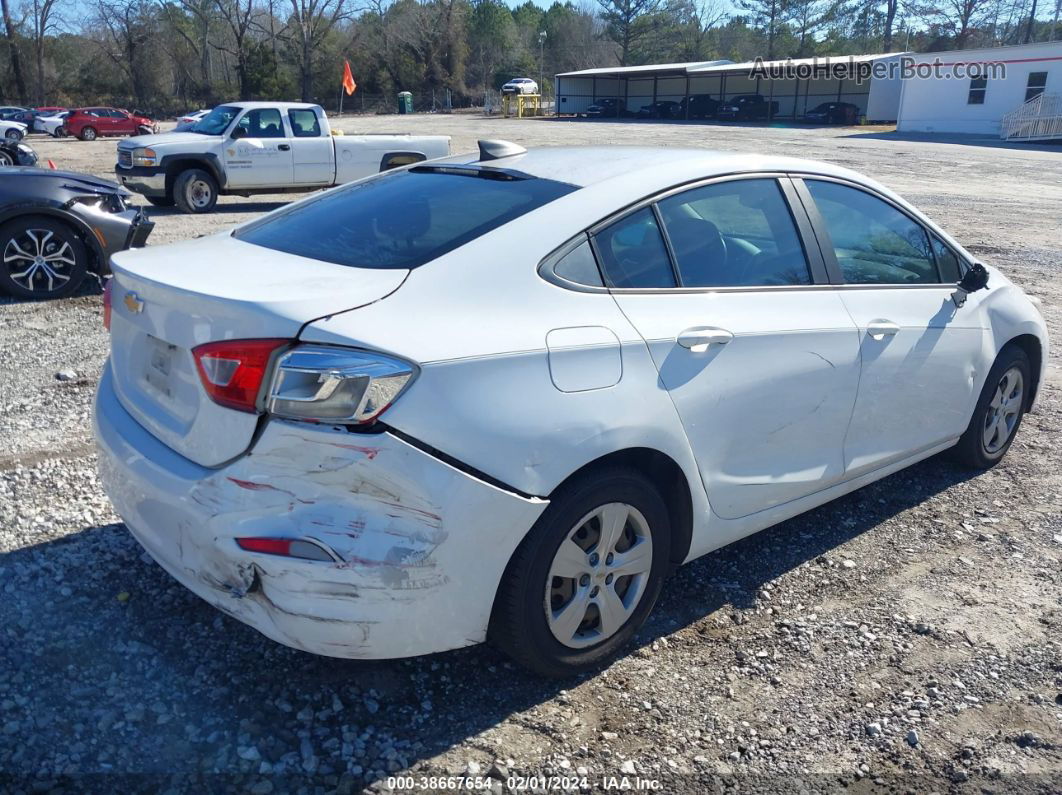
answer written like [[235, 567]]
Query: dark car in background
[[747, 107], [15, 113], [16, 153], [833, 113], [661, 109], [701, 106], [610, 107], [58, 226]]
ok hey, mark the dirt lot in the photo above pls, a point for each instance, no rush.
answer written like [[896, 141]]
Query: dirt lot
[[907, 636]]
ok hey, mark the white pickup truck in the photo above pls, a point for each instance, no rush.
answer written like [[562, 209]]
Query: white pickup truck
[[243, 148]]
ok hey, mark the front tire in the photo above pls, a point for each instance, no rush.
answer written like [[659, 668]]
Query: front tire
[[586, 576], [195, 191], [41, 258], [999, 411]]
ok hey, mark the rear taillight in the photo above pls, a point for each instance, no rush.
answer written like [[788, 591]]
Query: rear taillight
[[232, 371], [320, 383], [107, 304]]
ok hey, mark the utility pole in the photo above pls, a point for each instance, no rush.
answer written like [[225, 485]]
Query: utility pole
[[541, 60]]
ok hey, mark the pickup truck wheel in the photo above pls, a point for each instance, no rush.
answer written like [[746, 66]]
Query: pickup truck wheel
[[195, 191], [88, 134], [160, 201]]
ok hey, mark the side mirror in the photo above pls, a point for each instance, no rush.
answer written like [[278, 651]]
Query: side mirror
[[976, 278]]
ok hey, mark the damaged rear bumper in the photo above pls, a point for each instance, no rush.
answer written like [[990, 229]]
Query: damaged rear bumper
[[419, 546]]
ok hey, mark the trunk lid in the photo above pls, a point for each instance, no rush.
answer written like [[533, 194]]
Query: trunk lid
[[167, 300]]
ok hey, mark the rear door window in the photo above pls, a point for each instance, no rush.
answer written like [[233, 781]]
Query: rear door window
[[402, 219], [734, 233], [304, 124]]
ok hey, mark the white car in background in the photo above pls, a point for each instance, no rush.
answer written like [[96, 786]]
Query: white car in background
[[502, 396], [13, 130], [520, 85], [188, 121], [53, 125]]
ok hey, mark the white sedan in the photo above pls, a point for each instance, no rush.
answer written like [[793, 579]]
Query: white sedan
[[52, 125], [520, 85], [12, 130], [502, 396]]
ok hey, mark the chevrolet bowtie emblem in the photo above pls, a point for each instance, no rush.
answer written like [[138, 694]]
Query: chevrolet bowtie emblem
[[134, 303]]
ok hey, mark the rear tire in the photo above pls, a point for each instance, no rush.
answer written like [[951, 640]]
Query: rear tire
[[195, 191], [537, 596], [999, 411], [41, 258], [88, 134], [13, 135]]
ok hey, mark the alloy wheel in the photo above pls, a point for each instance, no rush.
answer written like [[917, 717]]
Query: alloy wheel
[[1004, 411], [36, 256], [598, 575]]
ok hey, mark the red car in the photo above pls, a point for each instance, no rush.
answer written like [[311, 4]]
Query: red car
[[90, 123]]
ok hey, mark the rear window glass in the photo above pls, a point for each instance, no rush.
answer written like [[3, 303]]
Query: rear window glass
[[400, 220]]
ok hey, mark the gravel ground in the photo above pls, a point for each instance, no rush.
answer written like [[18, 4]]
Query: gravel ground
[[908, 636]]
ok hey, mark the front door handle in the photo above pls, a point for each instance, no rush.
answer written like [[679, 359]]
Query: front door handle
[[698, 338], [880, 329], [283, 147]]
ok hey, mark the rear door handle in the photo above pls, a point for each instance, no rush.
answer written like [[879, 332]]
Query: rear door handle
[[283, 147], [880, 329], [698, 338]]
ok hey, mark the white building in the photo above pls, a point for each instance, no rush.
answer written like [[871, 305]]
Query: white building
[[953, 101], [858, 79]]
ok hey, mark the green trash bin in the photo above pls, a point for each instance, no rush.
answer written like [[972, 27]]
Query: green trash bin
[[405, 102]]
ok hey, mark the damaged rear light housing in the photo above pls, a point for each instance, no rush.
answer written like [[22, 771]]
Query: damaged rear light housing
[[309, 383], [232, 371], [323, 383]]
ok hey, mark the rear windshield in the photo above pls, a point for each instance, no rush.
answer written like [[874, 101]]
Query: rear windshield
[[401, 220]]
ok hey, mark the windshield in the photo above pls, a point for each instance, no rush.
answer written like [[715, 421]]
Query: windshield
[[403, 219], [217, 121]]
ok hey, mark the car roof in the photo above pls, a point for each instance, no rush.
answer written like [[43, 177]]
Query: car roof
[[652, 168], [284, 105]]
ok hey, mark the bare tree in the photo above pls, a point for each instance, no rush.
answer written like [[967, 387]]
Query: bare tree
[[204, 15], [127, 28], [238, 16], [44, 17], [311, 21], [10, 33]]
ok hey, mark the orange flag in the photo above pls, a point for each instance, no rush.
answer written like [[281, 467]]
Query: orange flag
[[348, 79]]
